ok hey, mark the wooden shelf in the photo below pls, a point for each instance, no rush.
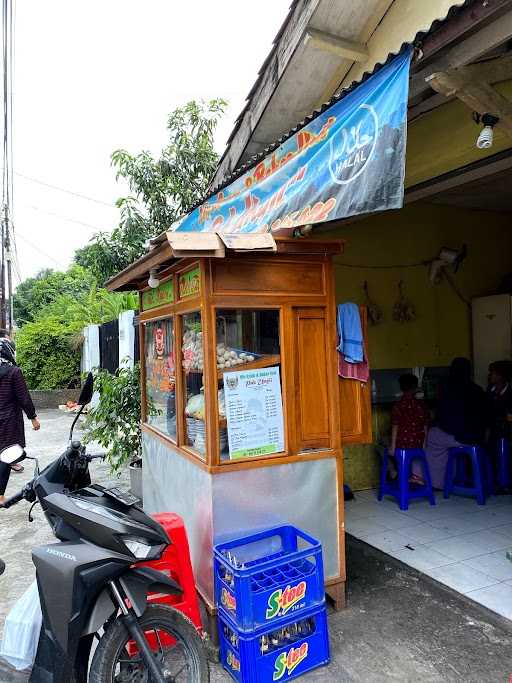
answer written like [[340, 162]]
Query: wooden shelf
[[263, 362]]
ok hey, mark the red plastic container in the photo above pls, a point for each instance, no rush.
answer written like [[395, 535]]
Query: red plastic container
[[175, 563]]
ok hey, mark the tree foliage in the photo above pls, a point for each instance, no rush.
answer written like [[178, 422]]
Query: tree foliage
[[35, 293], [44, 352], [48, 348], [163, 188]]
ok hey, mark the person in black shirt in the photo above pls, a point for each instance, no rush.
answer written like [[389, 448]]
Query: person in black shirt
[[461, 418]]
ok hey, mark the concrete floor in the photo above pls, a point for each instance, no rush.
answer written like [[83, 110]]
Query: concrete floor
[[399, 625]]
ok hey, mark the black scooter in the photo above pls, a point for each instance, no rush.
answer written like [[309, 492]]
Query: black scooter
[[91, 588]]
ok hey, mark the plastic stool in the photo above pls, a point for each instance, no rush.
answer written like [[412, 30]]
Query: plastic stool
[[503, 460], [175, 563], [401, 490], [482, 477]]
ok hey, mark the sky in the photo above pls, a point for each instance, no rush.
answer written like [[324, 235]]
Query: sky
[[92, 76]]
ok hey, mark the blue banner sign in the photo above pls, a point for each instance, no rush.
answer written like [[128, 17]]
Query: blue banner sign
[[349, 160]]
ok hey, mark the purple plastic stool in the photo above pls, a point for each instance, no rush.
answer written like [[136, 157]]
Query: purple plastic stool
[[481, 484], [401, 489]]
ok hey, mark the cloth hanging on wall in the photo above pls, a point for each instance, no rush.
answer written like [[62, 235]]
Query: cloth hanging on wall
[[350, 333]]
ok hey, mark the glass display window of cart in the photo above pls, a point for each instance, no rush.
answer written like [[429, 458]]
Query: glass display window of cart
[[250, 404], [192, 360], [160, 375]]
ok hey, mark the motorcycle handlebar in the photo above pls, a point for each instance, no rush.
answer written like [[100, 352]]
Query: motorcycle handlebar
[[95, 456], [14, 499]]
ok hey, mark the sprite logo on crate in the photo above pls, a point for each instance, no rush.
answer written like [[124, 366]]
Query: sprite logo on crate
[[287, 662], [227, 600], [233, 661], [282, 601]]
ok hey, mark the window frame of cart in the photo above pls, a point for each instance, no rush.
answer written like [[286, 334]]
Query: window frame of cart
[[298, 287], [243, 358]]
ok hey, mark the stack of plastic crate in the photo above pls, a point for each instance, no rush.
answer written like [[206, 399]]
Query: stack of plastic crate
[[269, 590]]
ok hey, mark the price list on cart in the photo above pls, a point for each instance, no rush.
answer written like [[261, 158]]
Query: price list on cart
[[254, 411]]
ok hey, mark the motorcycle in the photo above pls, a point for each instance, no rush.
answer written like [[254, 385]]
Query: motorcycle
[[96, 620]]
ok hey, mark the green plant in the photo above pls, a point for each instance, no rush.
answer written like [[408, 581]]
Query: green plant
[[44, 353], [115, 421]]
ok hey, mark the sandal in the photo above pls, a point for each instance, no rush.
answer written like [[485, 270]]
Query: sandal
[[17, 468]]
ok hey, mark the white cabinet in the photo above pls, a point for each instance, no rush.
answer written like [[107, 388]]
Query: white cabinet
[[492, 333]]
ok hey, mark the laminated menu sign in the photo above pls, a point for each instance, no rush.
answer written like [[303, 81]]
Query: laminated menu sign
[[254, 411]]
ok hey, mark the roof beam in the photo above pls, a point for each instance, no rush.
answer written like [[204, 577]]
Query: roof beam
[[479, 96], [328, 42], [472, 48]]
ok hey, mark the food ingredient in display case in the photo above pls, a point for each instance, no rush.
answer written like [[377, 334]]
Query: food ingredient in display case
[[230, 358], [192, 350]]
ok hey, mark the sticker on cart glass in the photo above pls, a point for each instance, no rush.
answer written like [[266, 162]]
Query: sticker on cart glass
[[254, 411]]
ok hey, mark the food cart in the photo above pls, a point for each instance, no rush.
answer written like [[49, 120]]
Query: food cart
[[241, 425]]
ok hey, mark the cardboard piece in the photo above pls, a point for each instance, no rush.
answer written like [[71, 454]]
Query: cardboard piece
[[186, 244], [259, 241]]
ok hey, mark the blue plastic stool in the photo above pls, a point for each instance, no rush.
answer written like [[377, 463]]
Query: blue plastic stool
[[503, 460], [401, 489], [481, 473]]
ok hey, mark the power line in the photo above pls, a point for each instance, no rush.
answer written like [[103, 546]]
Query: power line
[[65, 218], [38, 249], [62, 189]]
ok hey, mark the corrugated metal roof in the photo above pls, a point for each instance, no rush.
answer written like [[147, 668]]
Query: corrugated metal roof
[[420, 35]]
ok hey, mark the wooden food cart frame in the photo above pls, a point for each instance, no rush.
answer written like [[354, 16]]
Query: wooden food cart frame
[[297, 281]]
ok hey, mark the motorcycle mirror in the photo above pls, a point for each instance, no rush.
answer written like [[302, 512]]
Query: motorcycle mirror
[[87, 391], [12, 454]]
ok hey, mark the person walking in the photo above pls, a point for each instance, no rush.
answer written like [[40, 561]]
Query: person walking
[[14, 401]]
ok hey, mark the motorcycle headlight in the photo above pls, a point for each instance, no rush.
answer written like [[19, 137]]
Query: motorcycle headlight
[[140, 549]]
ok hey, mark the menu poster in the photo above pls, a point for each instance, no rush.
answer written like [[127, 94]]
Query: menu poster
[[254, 411]]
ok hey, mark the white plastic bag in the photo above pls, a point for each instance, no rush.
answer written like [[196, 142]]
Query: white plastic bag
[[21, 631]]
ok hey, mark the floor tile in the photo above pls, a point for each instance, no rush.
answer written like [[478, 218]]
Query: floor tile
[[459, 547], [505, 529], [460, 524], [387, 541], [496, 516], [422, 558], [488, 540], [395, 520], [498, 598], [429, 513], [363, 527], [423, 533], [493, 564], [461, 578]]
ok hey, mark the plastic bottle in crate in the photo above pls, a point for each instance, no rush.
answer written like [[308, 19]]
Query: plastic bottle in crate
[[275, 655]]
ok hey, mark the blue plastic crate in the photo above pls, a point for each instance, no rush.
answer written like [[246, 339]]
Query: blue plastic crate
[[265, 578], [276, 654]]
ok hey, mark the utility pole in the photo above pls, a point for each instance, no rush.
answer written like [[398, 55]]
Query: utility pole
[[8, 259], [3, 316]]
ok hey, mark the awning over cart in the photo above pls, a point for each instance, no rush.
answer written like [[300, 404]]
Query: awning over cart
[[348, 160]]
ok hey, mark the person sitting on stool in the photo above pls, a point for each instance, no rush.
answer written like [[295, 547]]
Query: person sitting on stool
[[409, 418]]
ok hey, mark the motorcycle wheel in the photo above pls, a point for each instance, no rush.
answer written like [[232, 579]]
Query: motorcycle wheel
[[184, 662]]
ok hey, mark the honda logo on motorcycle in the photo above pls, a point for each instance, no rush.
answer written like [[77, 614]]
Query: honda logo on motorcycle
[[352, 147], [59, 553]]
